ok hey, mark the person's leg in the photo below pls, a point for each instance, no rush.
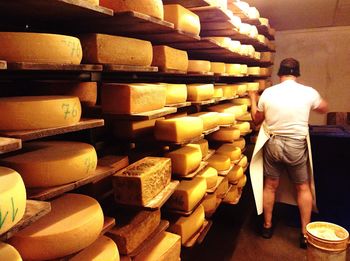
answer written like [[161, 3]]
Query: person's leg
[[304, 200], [270, 187]]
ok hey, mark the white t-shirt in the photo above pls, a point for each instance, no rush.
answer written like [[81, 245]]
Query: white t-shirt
[[287, 106]]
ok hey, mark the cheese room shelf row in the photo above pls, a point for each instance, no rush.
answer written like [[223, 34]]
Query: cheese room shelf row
[[9, 144]]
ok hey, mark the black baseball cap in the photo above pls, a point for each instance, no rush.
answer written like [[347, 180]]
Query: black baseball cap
[[289, 66]]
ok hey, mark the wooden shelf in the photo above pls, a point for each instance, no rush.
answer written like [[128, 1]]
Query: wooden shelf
[[41, 133], [108, 224], [26, 66], [210, 214], [210, 13], [255, 22], [178, 212], [3, 65], [9, 144], [213, 189], [196, 103], [192, 174], [266, 31], [142, 116], [210, 153], [34, 211], [103, 170], [187, 3], [237, 10], [173, 36], [200, 44], [207, 132], [217, 25], [219, 55], [200, 235], [128, 68], [179, 105], [225, 172]]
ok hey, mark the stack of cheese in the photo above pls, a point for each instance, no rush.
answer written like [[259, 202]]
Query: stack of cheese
[[141, 181], [200, 92]]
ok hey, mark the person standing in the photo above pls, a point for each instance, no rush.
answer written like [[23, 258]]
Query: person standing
[[284, 111]]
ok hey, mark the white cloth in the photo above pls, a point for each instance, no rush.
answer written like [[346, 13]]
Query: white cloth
[[287, 106]]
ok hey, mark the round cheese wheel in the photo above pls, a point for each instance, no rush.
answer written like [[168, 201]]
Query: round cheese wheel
[[239, 143], [12, 199], [219, 162], [242, 181], [235, 174], [230, 150], [53, 163], [40, 48], [9, 253], [75, 222], [38, 112]]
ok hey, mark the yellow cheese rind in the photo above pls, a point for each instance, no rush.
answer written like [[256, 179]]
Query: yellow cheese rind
[[242, 126], [185, 160], [9, 253], [75, 222], [210, 119], [110, 49], [204, 146], [175, 93], [218, 91], [217, 67], [233, 152], [245, 117], [232, 194], [178, 129], [167, 247], [242, 89], [211, 176], [133, 228], [222, 188], [186, 227], [226, 118], [240, 143], [40, 48], [198, 66], [132, 98], [243, 162], [233, 69], [167, 58], [242, 101], [141, 181], [235, 174], [242, 181], [133, 129], [236, 110], [200, 92], [219, 162], [182, 18], [12, 198], [152, 8], [222, 41], [103, 249], [188, 194], [228, 134], [252, 86], [209, 203], [44, 163], [38, 112]]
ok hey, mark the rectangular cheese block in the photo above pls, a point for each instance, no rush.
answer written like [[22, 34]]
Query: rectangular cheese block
[[226, 118], [185, 160], [209, 203], [204, 146], [132, 228], [178, 129], [182, 18], [110, 49], [188, 194], [217, 68], [167, 58], [233, 69], [228, 91], [132, 98], [255, 71], [186, 227], [133, 129], [257, 56], [222, 188], [152, 8], [166, 247], [140, 182], [218, 91], [198, 66], [175, 93], [200, 92], [210, 119], [211, 176], [244, 69], [242, 89], [228, 134]]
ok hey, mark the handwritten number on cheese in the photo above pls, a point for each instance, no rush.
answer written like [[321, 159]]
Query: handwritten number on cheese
[[69, 110], [14, 210], [2, 219]]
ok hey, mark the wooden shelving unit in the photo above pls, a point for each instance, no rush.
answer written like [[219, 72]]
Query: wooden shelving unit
[[9, 144]]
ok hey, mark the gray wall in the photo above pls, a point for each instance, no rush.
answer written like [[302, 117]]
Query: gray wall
[[324, 55]]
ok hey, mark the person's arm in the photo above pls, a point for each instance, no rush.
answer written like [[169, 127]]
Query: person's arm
[[257, 116], [322, 107]]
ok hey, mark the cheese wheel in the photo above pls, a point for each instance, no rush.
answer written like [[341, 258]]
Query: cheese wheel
[[200, 92], [243, 162], [166, 247], [253, 32], [218, 68], [252, 86], [111, 49], [186, 227], [40, 48], [232, 194], [233, 69], [257, 56], [228, 91], [245, 28], [209, 203], [236, 110], [178, 129], [204, 146], [264, 21], [254, 70], [38, 112], [75, 222], [219, 162], [198, 66], [222, 188], [266, 57], [132, 98], [94, 2], [9, 253], [235, 174], [261, 38], [44, 163], [235, 20], [219, 3], [242, 181], [211, 176], [242, 101], [226, 118], [253, 13], [133, 129], [242, 126], [175, 93], [210, 119], [167, 58], [182, 18], [225, 134], [242, 89], [103, 249], [218, 91], [240, 143], [222, 41], [12, 198], [235, 46], [185, 160], [233, 152], [152, 8], [188, 194]]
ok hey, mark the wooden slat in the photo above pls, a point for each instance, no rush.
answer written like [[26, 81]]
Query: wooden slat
[[3, 65], [267, 31], [210, 13], [102, 171], [199, 236], [210, 214], [236, 10], [142, 116], [108, 223], [26, 66], [192, 174], [221, 33], [255, 22], [211, 101], [218, 182], [187, 3], [34, 211], [173, 36], [217, 25], [41, 133], [9, 144], [210, 153], [128, 68], [201, 44], [179, 105]]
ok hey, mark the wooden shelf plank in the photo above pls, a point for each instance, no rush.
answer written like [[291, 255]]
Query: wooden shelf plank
[[34, 211], [237, 10], [207, 132], [201, 44], [191, 175], [213, 189], [142, 116], [41, 133], [108, 223], [217, 25], [128, 68], [3, 65], [267, 31], [219, 55], [210, 153], [187, 3], [211, 13], [102, 171], [179, 105], [168, 38], [255, 22], [182, 143], [9, 144], [26, 66], [211, 101], [200, 235]]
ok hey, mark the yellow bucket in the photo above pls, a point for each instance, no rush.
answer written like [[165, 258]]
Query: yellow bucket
[[326, 241]]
